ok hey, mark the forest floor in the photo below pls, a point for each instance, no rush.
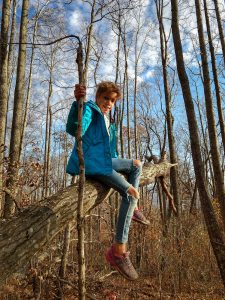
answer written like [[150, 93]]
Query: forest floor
[[115, 287], [111, 286]]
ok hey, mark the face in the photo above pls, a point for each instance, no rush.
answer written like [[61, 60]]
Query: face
[[106, 101]]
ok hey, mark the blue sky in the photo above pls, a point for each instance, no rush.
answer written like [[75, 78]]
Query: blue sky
[[76, 17]]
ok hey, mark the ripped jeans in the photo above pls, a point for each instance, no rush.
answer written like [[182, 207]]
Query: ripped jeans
[[121, 185]]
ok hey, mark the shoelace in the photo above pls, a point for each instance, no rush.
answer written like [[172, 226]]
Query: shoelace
[[128, 262]]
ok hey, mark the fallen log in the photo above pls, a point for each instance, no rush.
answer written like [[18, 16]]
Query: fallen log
[[25, 234]]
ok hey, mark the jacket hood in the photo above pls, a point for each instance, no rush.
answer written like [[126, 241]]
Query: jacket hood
[[93, 105]]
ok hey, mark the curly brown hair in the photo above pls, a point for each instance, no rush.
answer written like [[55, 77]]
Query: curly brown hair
[[108, 86]]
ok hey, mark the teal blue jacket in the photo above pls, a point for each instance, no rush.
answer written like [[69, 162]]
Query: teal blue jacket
[[98, 146]]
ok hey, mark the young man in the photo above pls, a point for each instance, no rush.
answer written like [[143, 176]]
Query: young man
[[102, 164]]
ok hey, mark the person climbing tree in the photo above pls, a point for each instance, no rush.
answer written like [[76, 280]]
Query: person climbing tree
[[103, 164]]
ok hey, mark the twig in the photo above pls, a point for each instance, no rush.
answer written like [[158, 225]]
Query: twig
[[169, 196], [101, 279]]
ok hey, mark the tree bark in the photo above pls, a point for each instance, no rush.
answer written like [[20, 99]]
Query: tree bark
[[127, 93], [214, 232], [89, 42], [48, 137], [215, 76], [220, 27], [64, 260], [3, 86], [30, 77], [218, 174], [22, 236], [169, 117], [11, 40], [81, 184], [14, 151]]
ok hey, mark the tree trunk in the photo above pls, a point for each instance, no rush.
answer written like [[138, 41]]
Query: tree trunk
[[64, 259], [118, 48], [89, 42], [11, 64], [214, 232], [47, 137], [127, 95], [169, 117], [220, 27], [27, 103], [14, 151], [215, 76], [122, 118], [219, 180], [206, 153], [135, 97], [3, 87], [11, 41], [22, 236]]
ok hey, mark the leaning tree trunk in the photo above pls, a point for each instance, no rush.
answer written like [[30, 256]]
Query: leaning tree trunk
[[14, 150], [3, 86], [22, 236], [214, 232], [218, 174]]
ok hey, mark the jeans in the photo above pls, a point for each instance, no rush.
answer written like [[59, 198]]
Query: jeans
[[121, 185]]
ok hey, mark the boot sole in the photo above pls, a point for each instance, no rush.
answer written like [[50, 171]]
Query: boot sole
[[141, 222]]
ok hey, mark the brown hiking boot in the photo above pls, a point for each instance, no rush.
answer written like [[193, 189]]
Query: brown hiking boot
[[122, 264], [139, 217]]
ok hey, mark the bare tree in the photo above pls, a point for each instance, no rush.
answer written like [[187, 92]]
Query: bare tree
[[3, 86], [214, 232], [126, 89], [30, 76], [137, 54], [215, 76], [219, 180], [169, 117], [12, 36], [220, 27], [15, 141]]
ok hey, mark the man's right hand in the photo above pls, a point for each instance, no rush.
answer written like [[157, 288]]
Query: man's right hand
[[80, 91]]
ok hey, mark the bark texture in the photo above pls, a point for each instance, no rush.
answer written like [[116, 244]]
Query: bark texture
[[3, 85], [214, 147], [220, 27], [22, 236], [214, 231], [15, 140]]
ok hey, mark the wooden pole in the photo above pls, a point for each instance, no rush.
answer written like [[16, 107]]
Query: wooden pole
[[80, 209]]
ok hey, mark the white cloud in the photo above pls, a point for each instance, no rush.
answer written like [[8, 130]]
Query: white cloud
[[76, 20], [149, 74]]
